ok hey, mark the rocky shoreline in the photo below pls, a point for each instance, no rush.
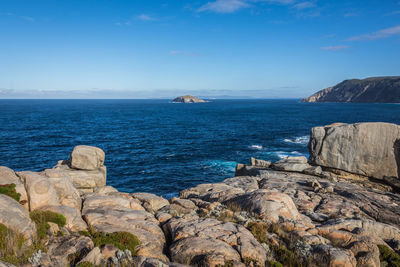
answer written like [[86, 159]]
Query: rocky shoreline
[[340, 208]]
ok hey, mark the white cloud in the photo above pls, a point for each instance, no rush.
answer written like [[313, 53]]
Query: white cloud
[[385, 33], [145, 17], [224, 6], [335, 47], [304, 5]]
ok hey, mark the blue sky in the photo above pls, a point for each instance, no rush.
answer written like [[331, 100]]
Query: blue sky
[[138, 49]]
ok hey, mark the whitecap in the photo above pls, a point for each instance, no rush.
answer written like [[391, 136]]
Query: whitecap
[[256, 147], [301, 140], [285, 154]]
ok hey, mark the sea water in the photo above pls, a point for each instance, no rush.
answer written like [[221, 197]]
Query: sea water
[[160, 147]]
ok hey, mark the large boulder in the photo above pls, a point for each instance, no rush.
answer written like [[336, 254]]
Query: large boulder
[[16, 218], [370, 149], [268, 205], [41, 191], [87, 158]]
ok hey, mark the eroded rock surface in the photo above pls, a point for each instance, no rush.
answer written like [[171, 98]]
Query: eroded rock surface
[[370, 149]]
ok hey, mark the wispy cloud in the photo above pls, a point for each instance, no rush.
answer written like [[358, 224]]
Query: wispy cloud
[[385, 33], [144, 17], [397, 12], [232, 6], [304, 5], [183, 53], [335, 47], [27, 18], [350, 15], [224, 6]]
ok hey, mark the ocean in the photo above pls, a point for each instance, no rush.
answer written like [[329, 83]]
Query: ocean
[[162, 147]]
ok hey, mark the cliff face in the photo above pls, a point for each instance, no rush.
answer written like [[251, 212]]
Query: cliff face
[[370, 90]]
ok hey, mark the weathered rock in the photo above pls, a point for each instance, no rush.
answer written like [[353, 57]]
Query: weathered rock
[[370, 149], [267, 205], [293, 164], [16, 218], [151, 202], [82, 179], [212, 242], [115, 213], [74, 220], [260, 163], [68, 249], [67, 194], [87, 158], [142, 261], [212, 192], [326, 255], [94, 257], [8, 176], [41, 191], [105, 190], [6, 264]]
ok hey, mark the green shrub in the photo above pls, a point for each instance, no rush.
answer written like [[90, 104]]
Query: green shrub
[[41, 219], [387, 255], [85, 264], [9, 190], [122, 240], [273, 264], [286, 257]]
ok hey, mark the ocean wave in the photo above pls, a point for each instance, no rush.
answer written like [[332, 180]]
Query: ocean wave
[[256, 147], [301, 140], [221, 166], [285, 154]]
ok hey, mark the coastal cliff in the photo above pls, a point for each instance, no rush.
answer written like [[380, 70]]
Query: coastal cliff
[[370, 90], [292, 212]]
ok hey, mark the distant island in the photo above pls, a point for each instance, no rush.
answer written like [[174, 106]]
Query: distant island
[[370, 90], [187, 99]]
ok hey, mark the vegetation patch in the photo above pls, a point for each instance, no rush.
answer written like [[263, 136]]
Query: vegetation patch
[[12, 249], [389, 256], [273, 264], [122, 240], [9, 190], [259, 231], [85, 264], [41, 219]]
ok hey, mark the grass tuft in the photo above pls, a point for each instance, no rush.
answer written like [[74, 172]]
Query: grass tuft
[[9, 190], [387, 255]]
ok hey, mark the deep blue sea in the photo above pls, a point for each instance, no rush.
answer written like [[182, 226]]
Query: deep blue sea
[[161, 147]]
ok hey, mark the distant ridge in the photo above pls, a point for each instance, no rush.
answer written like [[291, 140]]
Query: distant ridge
[[370, 90]]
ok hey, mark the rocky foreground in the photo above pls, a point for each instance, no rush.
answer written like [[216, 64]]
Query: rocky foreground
[[341, 208]]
